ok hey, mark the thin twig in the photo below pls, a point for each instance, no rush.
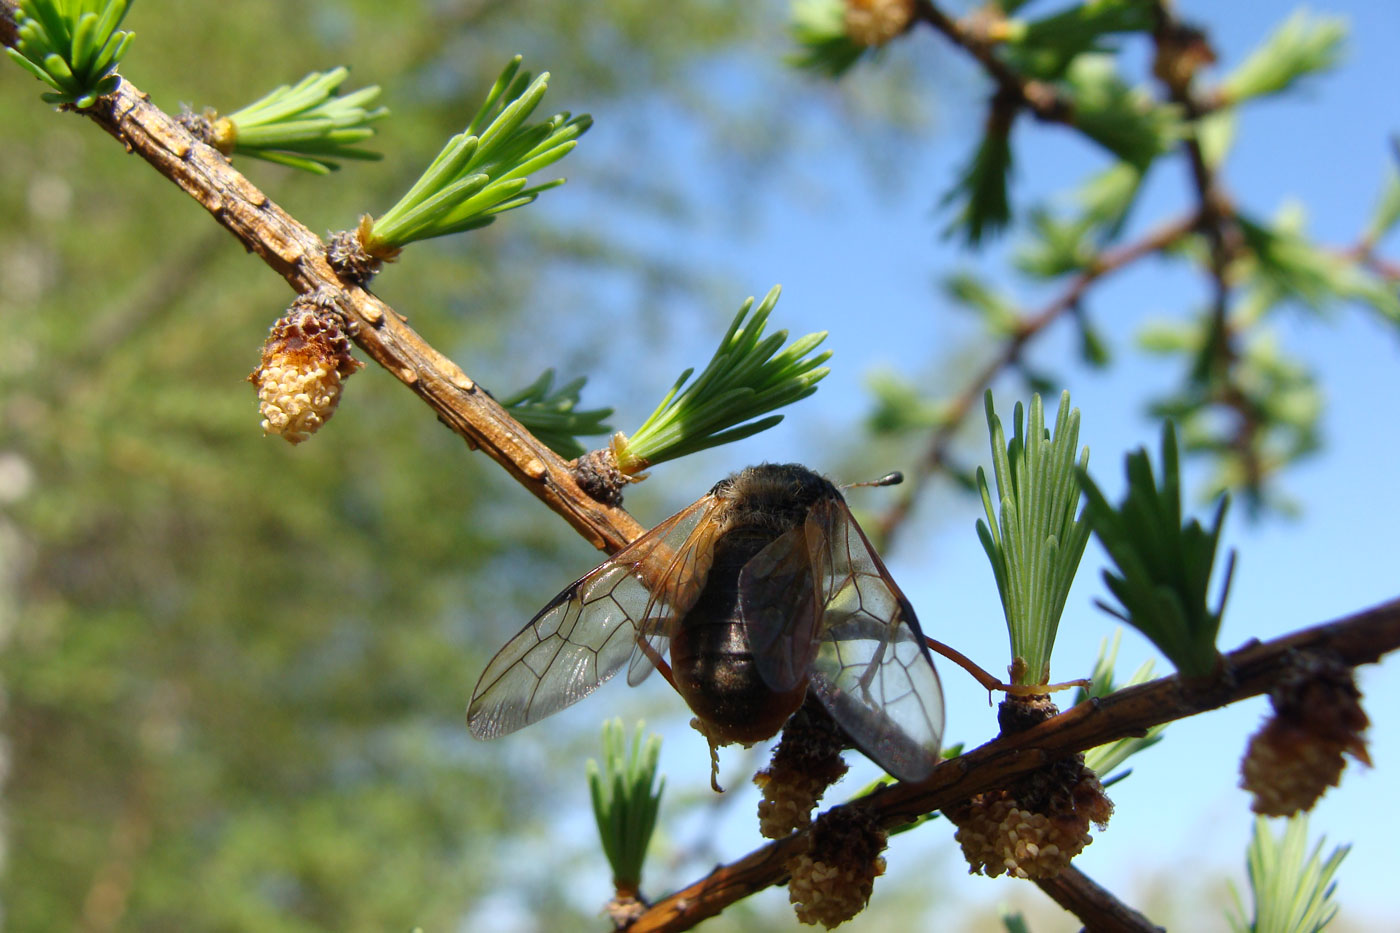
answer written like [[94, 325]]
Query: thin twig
[[1220, 226], [1360, 638], [298, 255], [1093, 904], [1218, 221], [1363, 253], [1040, 98], [1030, 326]]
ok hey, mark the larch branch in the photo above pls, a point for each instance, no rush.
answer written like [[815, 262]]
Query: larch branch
[[299, 256], [1361, 638]]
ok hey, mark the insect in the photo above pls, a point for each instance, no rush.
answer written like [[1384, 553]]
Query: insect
[[763, 590]]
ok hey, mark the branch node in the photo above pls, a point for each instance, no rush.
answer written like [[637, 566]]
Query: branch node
[[349, 257], [597, 474]]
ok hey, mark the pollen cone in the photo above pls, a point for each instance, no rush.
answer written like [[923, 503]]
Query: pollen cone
[[304, 364]]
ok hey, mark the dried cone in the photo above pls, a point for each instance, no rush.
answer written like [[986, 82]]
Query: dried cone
[[304, 362], [1034, 828], [875, 22], [831, 882], [805, 763], [1298, 754]]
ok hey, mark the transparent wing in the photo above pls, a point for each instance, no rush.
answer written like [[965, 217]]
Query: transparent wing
[[645, 652], [587, 632], [673, 591], [872, 669], [779, 603]]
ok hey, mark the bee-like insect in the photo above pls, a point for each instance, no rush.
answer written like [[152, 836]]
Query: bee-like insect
[[761, 591]]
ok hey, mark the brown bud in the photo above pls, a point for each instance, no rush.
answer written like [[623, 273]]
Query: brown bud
[[1182, 51], [210, 128], [355, 255], [597, 474]]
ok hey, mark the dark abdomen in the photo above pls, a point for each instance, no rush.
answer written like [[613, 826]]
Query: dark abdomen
[[711, 661]]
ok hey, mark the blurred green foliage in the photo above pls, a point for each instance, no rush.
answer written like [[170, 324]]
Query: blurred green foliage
[[236, 671], [1292, 888]]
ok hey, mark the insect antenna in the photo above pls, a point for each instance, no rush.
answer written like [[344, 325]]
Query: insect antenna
[[889, 479]]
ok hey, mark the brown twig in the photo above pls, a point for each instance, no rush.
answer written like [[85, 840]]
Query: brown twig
[[1360, 638], [1030, 326], [1363, 253], [298, 255], [1096, 906], [1040, 98], [1218, 221], [1220, 227]]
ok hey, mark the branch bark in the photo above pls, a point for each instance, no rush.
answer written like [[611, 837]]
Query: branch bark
[[1360, 638], [1096, 906]]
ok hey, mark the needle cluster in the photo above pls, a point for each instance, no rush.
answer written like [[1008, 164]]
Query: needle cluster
[[818, 29], [551, 416], [626, 796], [747, 377], [308, 126], [1103, 759], [482, 171], [73, 46], [1031, 534], [1292, 889], [1163, 566]]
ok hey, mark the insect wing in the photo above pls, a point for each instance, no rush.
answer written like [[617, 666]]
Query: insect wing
[[780, 605], [872, 670], [586, 633], [674, 589]]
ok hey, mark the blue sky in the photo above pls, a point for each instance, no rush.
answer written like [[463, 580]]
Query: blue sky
[[859, 256]]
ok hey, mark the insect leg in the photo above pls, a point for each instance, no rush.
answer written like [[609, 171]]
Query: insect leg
[[656, 660], [991, 683], [871, 669]]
